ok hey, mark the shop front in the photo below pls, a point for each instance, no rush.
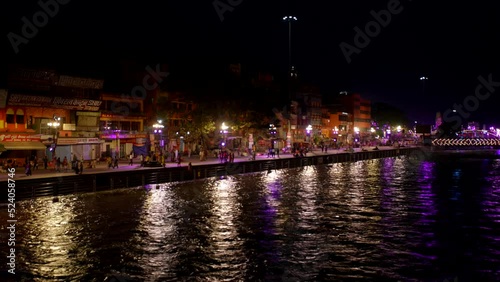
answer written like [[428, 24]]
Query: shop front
[[122, 144], [18, 147], [86, 148]]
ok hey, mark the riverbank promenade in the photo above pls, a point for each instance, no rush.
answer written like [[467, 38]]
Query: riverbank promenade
[[102, 167]]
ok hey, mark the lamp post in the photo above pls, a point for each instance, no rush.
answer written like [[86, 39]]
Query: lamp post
[[158, 129], [423, 79], [55, 124], [335, 135], [308, 132], [289, 19], [272, 132], [224, 128], [356, 133]]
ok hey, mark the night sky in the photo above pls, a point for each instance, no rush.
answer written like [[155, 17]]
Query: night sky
[[451, 43]]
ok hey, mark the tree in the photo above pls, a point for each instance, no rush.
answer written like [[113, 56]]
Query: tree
[[386, 114]]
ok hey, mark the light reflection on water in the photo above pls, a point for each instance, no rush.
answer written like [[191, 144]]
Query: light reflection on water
[[368, 220]]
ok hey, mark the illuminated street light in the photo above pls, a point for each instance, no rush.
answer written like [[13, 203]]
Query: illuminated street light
[[55, 124], [423, 79], [158, 129], [309, 129], [289, 19], [224, 129]]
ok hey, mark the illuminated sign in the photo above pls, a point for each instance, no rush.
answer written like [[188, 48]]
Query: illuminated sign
[[54, 102], [73, 141], [19, 138], [80, 82], [123, 136]]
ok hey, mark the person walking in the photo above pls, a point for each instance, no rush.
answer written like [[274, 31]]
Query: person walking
[[131, 159], [35, 162], [115, 163], [65, 164], [45, 162], [109, 161], [58, 164], [28, 169], [81, 167]]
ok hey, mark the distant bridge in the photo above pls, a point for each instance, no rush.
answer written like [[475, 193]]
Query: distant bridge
[[466, 142]]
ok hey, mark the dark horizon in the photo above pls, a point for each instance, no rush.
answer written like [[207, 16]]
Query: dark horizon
[[424, 39]]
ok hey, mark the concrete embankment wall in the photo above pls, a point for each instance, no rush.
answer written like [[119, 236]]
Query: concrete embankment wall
[[73, 184]]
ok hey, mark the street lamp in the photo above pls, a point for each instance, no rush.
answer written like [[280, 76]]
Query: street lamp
[[158, 129], [272, 132], [423, 79], [224, 128], [55, 124], [289, 19], [308, 131], [356, 131]]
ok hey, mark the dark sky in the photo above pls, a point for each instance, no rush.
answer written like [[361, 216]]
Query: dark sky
[[452, 43]]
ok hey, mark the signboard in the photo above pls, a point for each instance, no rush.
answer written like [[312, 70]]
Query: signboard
[[80, 82], [123, 136], [19, 138], [22, 76], [74, 141], [54, 102]]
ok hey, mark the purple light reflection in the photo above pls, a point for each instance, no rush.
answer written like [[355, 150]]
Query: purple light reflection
[[427, 202]]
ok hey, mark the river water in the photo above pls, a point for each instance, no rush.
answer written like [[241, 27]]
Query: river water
[[387, 219]]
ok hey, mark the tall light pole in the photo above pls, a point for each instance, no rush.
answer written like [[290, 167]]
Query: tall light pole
[[272, 132], [55, 124], [224, 128], [308, 132], [289, 19], [423, 79], [158, 129]]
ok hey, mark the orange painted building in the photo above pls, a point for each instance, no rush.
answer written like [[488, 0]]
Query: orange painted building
[[37, 99], [359, 110]]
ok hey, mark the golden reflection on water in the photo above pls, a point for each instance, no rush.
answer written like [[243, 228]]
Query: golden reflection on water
[[351, 221], [51, 240], [156, 229]]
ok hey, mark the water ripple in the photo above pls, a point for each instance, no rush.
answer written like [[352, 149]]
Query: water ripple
[[385, 219]]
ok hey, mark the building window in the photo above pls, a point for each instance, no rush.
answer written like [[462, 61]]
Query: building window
[[125, 125], [135, 126], [19, 116], [10, 116]]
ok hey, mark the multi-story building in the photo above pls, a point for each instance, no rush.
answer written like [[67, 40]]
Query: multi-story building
[[176, 110], [360, 110], [49, 114], [309, 114], [122, 125]]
